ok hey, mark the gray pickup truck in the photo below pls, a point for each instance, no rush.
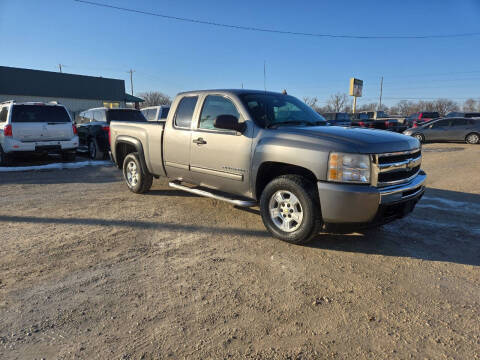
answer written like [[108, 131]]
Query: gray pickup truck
[[269, 149]]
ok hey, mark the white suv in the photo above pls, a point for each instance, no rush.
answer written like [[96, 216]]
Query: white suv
[[36, 128], [156, 113]]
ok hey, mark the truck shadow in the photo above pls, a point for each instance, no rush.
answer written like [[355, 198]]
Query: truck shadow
[[445, 226]]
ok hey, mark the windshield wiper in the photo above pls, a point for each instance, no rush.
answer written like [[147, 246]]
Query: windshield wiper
[[290, 122]]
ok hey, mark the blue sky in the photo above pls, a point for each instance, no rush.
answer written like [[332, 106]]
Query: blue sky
[[172, 56]]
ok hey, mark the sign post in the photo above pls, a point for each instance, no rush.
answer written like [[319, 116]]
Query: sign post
[[356, 87]]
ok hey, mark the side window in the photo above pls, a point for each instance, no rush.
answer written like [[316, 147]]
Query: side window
[[459, 122], [88, 116], [185, 109], [214, 106], [442, 123], [100, 116], [3, 114]]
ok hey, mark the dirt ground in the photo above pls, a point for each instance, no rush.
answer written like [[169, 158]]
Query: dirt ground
[[89, 270]]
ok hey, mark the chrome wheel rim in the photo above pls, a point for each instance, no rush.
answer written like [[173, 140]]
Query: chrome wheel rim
[[285, 211], [473, 139], [132, 173], [92, 150]]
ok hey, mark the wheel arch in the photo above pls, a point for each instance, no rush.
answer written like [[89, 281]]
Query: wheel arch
[[270, 170], [125, 145]]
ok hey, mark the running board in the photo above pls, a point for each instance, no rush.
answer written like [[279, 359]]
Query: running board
[[237, 202]]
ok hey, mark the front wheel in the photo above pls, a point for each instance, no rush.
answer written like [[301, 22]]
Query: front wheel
[[290, 209], [472, 138], [419, 137], [137, 180]]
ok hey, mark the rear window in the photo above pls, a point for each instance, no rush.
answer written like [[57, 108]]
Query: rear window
[[164, 113], [125, 115], [430, 115], [39, 114], [343, 117]]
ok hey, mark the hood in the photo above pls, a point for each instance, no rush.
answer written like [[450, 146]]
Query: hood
[[364, 141]]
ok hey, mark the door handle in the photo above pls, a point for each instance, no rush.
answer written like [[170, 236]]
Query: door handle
[[199, 141]]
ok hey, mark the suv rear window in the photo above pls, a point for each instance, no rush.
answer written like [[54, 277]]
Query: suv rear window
[[39, 113], [125, 115]]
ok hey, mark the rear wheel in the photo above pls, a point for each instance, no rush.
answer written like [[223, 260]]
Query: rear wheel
[[94, 150], [290, 209], [419, 137], [472, 138], [4, 158], [137, 180]]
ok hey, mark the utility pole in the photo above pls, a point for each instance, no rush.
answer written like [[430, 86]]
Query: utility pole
[[60, 67], [131, 79], [381, 93]]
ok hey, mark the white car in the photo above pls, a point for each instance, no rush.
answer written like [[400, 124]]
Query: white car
[[35, 127], [156, 113]]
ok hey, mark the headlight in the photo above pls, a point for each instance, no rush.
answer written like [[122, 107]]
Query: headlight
[[353, 168]]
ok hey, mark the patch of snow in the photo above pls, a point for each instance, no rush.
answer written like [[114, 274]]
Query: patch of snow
[[57, 166]]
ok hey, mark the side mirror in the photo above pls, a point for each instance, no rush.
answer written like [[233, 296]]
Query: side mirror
[[229, 122]]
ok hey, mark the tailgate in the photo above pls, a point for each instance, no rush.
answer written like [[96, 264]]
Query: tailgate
[[41, 123]]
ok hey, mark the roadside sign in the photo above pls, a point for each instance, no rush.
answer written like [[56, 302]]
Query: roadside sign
[[356, 87]]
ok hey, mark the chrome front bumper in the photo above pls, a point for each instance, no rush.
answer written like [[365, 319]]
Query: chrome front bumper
[[345, 203]]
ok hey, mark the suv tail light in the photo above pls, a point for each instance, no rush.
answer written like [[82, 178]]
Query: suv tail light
[[7, 130], [75, 131], [106, 128]]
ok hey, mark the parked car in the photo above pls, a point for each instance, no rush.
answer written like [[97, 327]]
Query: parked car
[[94, 126], [36, 127], [463, 114], [337, 118], [156, 113], [448, 129], [256, 147], [419, 118]]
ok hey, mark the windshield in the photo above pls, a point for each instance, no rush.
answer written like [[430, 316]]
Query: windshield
[[39, 113], [269, 110]]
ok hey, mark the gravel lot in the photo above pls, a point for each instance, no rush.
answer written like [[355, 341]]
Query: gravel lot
[[89, 270]]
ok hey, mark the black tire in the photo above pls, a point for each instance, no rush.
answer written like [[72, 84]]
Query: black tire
[[94, 151], [5, 159], [419, 137], [143, 181], [472, 138], [69, 156], [311, 222]]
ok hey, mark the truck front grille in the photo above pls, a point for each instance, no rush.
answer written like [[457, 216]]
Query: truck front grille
[[395, 168]]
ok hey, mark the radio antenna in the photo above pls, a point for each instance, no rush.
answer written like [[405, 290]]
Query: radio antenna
[[265, 75]]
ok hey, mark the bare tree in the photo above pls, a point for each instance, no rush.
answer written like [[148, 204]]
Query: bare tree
[[153, 98], [470, 105], [444, 106], [337, 102]]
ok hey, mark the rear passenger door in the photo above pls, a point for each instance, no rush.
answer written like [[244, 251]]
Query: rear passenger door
[[458, 129], [177, 139]]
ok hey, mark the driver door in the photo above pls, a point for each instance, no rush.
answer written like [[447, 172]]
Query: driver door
[[438, 130], [220, 159]]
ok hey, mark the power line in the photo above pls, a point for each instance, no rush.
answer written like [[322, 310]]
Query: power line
[[284, 32]]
